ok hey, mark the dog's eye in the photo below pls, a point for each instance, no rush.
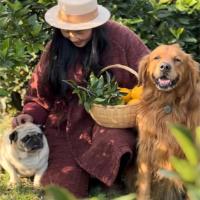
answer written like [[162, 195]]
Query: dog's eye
[[40, 135], [156, 58], [26, 138], [176, 59]]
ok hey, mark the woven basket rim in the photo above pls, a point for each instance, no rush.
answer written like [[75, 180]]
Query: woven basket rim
[[111, 106], [120, 66]]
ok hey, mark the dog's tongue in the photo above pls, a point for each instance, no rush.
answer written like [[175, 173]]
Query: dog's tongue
[[164, 82]]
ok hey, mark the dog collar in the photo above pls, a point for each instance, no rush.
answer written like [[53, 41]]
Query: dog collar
[[168, 109]]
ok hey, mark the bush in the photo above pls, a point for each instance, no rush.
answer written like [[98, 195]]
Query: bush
[[163, 21], [22, 37], [188, 169], [23, 33]]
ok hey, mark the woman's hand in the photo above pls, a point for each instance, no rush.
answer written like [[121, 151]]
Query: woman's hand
[[21, 119]]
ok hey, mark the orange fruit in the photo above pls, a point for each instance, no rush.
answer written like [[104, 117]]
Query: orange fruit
[[127, 94], [133, 101], [136, 92]]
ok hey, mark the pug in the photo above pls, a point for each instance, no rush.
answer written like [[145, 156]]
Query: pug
[[24, 152]]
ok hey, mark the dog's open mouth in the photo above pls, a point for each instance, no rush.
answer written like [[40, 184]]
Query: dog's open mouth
[[164, 83]]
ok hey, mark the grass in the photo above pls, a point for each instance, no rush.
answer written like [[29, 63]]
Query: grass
[[25, 190]]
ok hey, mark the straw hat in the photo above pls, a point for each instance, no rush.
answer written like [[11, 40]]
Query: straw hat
[[77, 14]]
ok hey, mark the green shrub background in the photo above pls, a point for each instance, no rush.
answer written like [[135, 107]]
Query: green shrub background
[[23, 34]]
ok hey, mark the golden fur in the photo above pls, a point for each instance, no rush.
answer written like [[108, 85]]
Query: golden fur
[[170, 77]]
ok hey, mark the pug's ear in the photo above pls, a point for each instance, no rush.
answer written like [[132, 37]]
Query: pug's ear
[[42, 127], [13, 136]]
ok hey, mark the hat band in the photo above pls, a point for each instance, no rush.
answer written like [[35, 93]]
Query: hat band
[[76, 19]]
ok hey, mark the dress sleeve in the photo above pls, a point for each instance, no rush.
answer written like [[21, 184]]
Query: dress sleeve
[[38, 99]]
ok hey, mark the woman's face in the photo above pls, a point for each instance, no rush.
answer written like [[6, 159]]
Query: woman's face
[[78, 38]]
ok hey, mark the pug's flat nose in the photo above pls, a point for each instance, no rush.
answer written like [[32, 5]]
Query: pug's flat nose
[[165, 67]]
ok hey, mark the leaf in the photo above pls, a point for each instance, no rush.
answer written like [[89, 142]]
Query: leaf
[[186, 171], [100, 82], [164, 14], [168, 174], [19, 48], [184, 139], [15, 6], [93, 80], [3, 92], [36, 29], [165, 1], [57, 193], [5, 47], [197, 139], [130, 196], [108, 79], [185, 5], [87, 106], [176, 32], [193, 193], [99, 100], [190, 40]]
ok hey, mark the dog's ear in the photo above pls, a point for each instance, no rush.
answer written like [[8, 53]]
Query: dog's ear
[[194, 68], [142, 70], [13, 136], [42, 127], [177, 45]]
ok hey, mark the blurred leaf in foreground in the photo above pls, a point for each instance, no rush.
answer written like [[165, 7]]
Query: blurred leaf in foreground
[[57, 193]]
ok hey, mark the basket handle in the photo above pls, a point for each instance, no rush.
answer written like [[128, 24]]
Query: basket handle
[[132, 71]]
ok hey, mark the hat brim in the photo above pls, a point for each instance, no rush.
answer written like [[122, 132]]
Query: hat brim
[[51, 17]]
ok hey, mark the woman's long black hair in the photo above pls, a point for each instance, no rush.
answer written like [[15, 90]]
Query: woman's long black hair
[[63, 54]]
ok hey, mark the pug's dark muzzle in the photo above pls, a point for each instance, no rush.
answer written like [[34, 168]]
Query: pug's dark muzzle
[[32, 143]]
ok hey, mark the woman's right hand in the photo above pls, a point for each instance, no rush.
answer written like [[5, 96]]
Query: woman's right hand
[[21, 119]]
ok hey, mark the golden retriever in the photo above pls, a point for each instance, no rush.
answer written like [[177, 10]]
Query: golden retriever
[[170, 78]]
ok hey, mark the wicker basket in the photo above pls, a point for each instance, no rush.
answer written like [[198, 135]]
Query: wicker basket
[[118, 116]]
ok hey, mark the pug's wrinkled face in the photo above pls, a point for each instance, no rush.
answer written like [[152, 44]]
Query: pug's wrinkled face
[[27, 137]]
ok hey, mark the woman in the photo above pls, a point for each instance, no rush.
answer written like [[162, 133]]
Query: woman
[[84, 40]]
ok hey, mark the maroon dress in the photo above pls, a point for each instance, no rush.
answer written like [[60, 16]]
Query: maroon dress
[[79, 148]]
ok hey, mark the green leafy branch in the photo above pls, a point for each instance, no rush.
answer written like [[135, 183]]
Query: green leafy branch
[[188, 169], [98, 90]]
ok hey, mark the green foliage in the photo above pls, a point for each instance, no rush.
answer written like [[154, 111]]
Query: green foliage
[[126, 197], [13, 82], [163, 21], [188, 169], [23, 31], [98, 90], [22, 37], [184, 138], [58, 193]]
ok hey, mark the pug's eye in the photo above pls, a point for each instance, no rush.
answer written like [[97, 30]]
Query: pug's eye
[[40, 135], [26, 138]]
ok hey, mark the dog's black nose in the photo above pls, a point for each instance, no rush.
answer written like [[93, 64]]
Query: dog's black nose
[[165, 67]]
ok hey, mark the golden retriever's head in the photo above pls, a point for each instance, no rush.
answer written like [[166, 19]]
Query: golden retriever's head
[[167, 67]]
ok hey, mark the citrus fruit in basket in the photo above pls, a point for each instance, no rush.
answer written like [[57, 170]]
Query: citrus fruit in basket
[[136, 92], [127, 94], [133, 101]]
